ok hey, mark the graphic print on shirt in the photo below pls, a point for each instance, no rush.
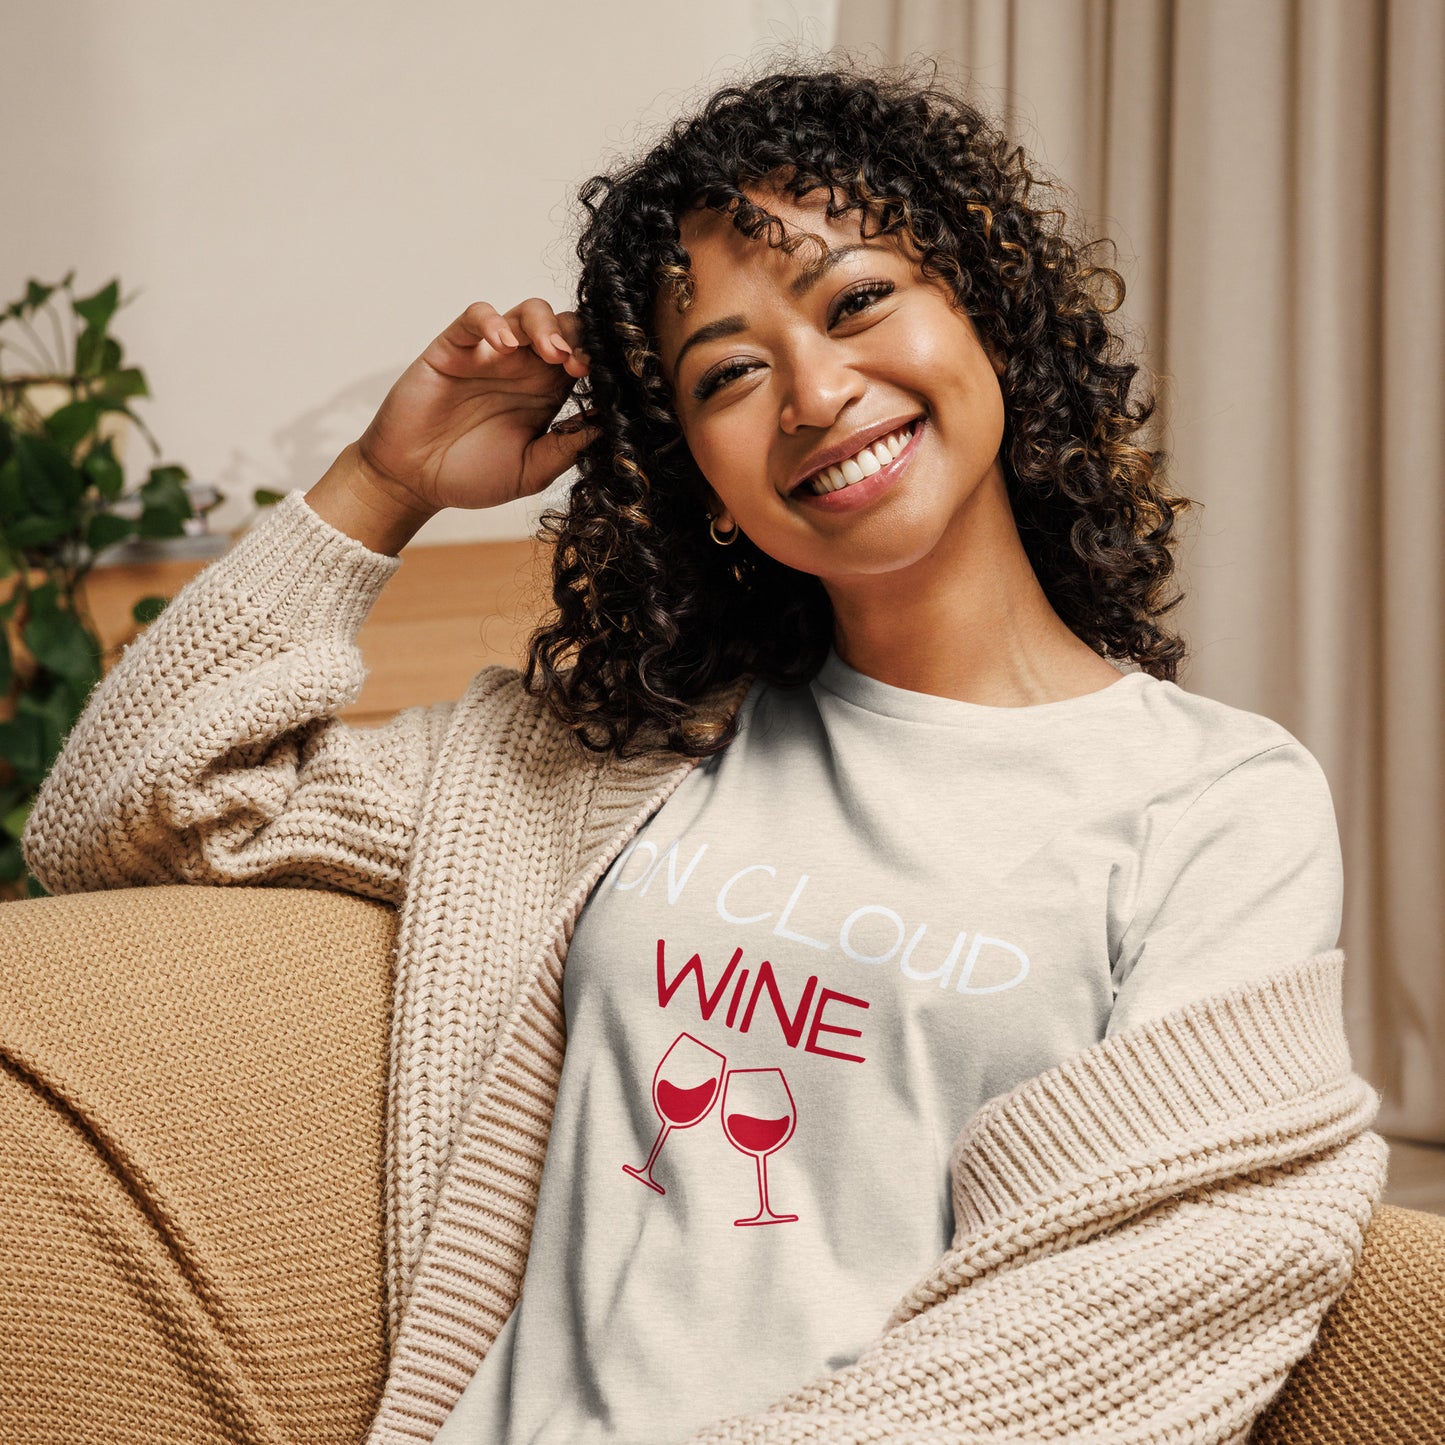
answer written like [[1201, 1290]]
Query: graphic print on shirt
[[758, 1113], [759, 1117], [684, 1089], [872, 936], [798, 1010]]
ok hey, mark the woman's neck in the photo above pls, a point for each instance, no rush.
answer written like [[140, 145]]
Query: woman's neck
[[968, 621]]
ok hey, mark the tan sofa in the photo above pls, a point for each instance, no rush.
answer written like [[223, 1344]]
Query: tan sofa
[[191, 1177]]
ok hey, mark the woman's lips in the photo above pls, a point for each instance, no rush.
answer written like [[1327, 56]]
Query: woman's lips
[[860, 494]]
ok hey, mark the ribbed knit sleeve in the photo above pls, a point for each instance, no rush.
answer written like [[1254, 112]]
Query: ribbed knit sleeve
[[210, 752]]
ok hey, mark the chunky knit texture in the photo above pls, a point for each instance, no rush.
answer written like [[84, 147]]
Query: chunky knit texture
[[191, 1140], [1148, 1235]]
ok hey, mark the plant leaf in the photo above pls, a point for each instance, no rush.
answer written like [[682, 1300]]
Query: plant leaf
[[262, 497], [89, 352], [130, 381], [96, 354], [35, 530], [166, 482], [51, 484], [36, 295], [71, 423], [161, 522], [12, 794], [97, 310], [12, 862], [102, 468], [148, 609], [55, 712], [43, 597], [166, 504], [59, 641], [22, 745], [105, 529], [7, 669], [14, 821], [12, 494], [71, 697]]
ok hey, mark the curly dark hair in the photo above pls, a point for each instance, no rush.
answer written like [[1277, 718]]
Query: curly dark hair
[[649, 614]]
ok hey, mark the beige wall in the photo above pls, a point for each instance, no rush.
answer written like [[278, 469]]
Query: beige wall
[[303, 194]]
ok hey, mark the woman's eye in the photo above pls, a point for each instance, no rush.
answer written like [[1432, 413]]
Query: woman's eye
[[719, 376], [859, 299]]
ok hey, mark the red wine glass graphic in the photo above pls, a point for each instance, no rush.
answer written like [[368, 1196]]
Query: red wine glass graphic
[[684, 1089], [758, 1117]]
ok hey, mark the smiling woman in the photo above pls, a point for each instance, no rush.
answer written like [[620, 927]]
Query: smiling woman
[[865, 347], [781, 406], [811, 265], [834, 999]]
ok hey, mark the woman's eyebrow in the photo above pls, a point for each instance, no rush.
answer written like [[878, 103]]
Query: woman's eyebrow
[[726, 326], [713, 331], [825, 263]]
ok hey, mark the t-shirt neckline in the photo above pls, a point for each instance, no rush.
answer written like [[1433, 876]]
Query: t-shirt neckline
[[837, 677]]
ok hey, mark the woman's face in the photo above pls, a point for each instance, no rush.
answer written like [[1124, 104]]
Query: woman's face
[[781, 367]]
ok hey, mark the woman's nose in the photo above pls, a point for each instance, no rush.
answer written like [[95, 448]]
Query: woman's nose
[[819, 383]]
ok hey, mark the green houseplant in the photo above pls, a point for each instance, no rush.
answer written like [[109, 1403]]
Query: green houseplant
[[65, 403]]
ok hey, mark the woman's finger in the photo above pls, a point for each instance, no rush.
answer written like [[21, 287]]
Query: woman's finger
[[481, 321], [551, 453], [570, 325], [543, 331], [482, 333], [472, 341], [540, 326]]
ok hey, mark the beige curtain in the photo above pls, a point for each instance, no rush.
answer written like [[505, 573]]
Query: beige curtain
[[1274, 174]]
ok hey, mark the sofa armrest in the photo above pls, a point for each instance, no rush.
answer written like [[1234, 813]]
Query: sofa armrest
[[1376, 1371], [192, 1112]]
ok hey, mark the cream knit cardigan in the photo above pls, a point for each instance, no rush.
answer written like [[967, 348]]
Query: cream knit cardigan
[[1147, 1235]]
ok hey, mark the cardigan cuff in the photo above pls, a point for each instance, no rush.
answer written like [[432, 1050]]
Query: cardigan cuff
[[309, 575]]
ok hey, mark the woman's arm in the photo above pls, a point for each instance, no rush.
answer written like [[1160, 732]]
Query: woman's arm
[[1149, 1236], [355, 500], [210, 753]]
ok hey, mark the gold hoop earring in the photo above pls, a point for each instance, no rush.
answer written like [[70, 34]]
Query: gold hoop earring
[[727, 539]]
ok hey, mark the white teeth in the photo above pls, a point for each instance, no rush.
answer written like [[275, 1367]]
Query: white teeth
[[871, 459]]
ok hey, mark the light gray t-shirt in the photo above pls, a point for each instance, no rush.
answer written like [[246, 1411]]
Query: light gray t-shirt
[[875, 910]]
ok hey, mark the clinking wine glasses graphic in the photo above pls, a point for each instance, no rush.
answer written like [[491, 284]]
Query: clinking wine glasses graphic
[[758, 1113]]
